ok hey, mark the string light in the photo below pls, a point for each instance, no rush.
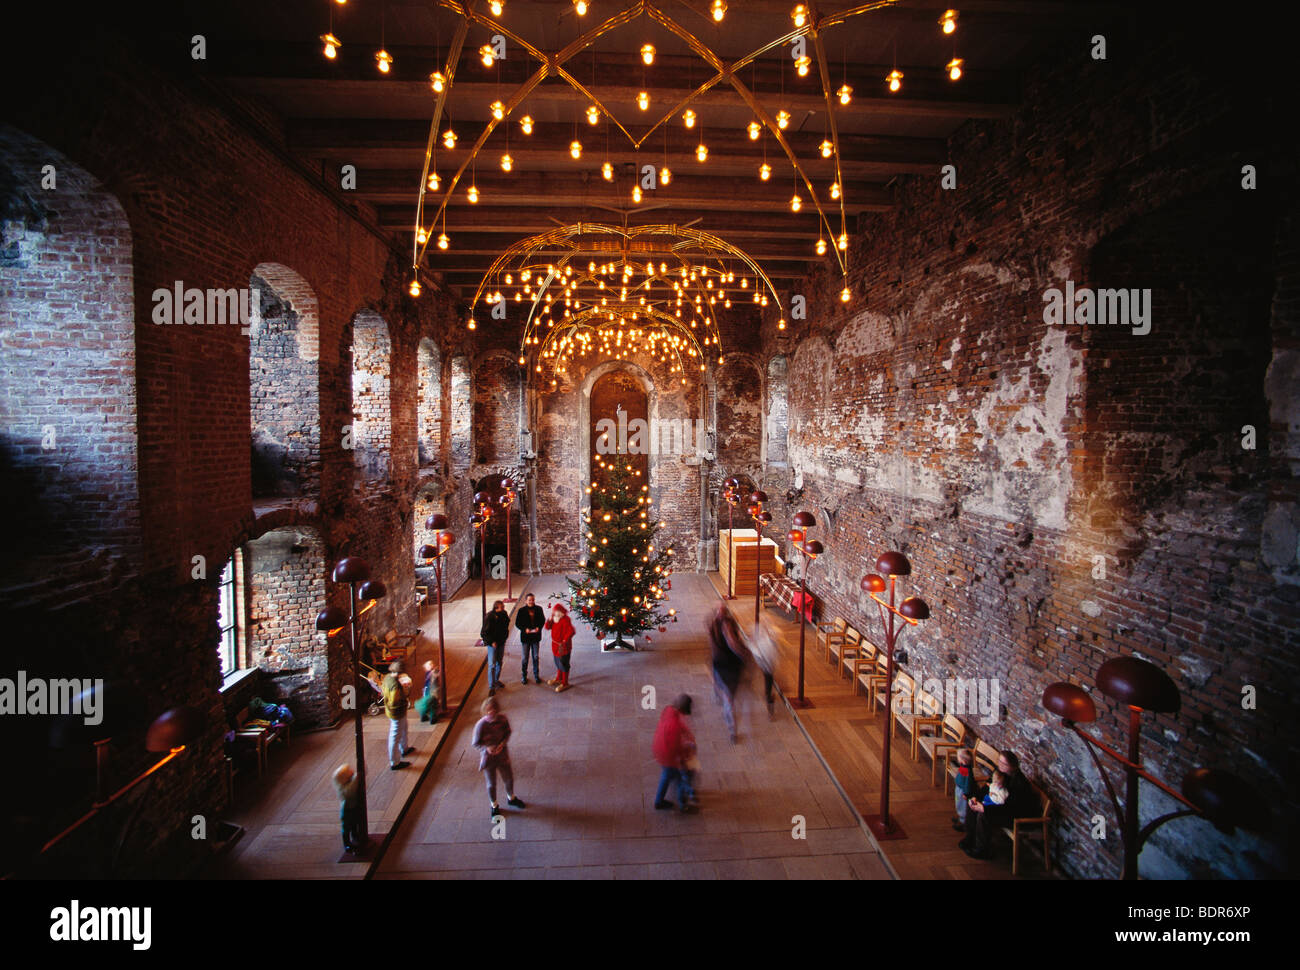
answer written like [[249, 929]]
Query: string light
[[526, 123], [845, 295], [421, 237], [754, 130], [487, 55], [434, 182], [449, 138], [689, 118], [948, 21], [496, 6], [607, 170], [665, 175], [701, 151], [796, 203], [643, 100], [438, 82], [895, 79], [415, 288], [443, 241], [384, 61], [783, 119], [718, 9], [843, 241], [575, 148], [801, 65], [593, 114], [954, 68], [765, 171], [799, 14], [647, 54], [845, 94], [472, 194], [507, 163], [580, 7], [636, 193], [498, 110], [827, 148], [835, 190], [332, 45], [821, 246]]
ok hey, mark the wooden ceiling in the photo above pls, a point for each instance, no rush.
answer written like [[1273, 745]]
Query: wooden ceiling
[[344, 112]]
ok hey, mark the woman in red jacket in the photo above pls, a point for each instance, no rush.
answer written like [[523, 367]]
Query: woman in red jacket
[[674, 747], [562, 631]]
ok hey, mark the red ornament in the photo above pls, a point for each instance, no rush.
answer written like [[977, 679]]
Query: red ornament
[[663, 629]]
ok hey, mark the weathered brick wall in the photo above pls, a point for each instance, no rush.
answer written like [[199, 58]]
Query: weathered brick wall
[[371, 408], [284, 385], [938, 414], [430, 403]]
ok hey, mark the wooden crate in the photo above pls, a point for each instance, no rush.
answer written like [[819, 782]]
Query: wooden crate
[[736, 554]]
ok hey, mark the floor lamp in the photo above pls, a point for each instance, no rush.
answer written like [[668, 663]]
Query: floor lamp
[[355, 572], [1222, 798], [810, 550], [731, 496], [443, 540], [761, 518], [506, 500]]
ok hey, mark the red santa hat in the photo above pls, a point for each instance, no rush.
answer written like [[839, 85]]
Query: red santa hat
[[560, 607]]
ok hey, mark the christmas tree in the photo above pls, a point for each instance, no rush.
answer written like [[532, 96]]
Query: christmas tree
[[625, 574]]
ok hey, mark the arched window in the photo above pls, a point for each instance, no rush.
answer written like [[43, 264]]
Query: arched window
[[372, 416], [230, 615], [461, 413], [284, 383], [429, 403]]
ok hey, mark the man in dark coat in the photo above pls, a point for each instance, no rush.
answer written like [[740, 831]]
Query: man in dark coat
[[983, 820], [495, 632], [529, 622]]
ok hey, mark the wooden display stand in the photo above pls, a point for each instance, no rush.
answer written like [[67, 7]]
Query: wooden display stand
[[736, 552]]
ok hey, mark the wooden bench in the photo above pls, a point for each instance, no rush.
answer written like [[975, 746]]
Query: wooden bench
[[257, 737], [985, 757]]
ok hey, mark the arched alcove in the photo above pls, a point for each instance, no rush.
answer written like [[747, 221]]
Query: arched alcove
[[372, 415], [461, 413], [428, 416], [776, 417], [283, 383], [497, 396]]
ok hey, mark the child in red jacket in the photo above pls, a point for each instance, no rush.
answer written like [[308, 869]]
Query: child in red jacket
[[674, 749], [562, 632]]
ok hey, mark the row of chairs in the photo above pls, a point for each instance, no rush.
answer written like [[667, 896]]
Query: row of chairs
[[921, 715]]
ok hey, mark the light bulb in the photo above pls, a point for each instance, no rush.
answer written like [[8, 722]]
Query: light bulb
[[472, 194], [948, 21], [799, 14], [801, 65], [835, 190], [636, 193], [507, 163], [415, 288], [844, 295], [421, 236], [575, 148], [783, 120], [689, 118], [895, 79], [821, 247], [827, 148], [845, 93], [796, 203], [719, 10], [701, 152], [449, 138], [648, 54], [496, 7], [498, 110], [954, 68], [665, 176], [384, 61], [754, 130], [843, 241], [765, 171], [438, 82], [332, 45], [434, 181], [443, 241], [526, 123], [593, 114], [580, 7], [607, 170], [643, 100]]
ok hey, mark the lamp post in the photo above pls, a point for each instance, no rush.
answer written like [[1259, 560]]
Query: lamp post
[[731, 496], [442, 541], [911, 611], [1222, 798], [356, 573], [761, 518], [479, 520], [810, 550], [505, 500]]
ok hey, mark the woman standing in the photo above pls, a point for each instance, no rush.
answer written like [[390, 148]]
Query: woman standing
[[562, 632]]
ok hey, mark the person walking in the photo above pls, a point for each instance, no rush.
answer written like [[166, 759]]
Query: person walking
[[562, 632], [529, 621], [728, 656], [491, 735], [395, 705], [674, 749], [765, 655], [495, 632], [427, 705]]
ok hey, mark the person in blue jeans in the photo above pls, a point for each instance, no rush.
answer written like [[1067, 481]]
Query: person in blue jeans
[[529, 621], [674, 748], [495, 632]]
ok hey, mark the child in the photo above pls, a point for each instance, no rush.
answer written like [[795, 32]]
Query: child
[[427, 705], [997, 793], [674, 749], [349, 791], [562, 632], [965, 786], [490, 736]]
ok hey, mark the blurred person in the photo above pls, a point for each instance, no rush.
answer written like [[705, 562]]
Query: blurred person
[[728, 655], [491, 735], [348, 787], [395, 705], [427, 705], [675, 750]]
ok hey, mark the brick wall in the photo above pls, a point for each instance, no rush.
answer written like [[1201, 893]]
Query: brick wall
[[937, 413]]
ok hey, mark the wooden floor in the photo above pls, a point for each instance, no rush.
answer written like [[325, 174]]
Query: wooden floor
[[291, 814], [850, 739]]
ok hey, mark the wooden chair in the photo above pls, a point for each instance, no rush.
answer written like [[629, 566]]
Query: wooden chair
[[948, 735], [864, 665], [1031, 827], [924, 710], [849, 650], [904, 694], [832, 634], [256, 738], [421, 601]]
